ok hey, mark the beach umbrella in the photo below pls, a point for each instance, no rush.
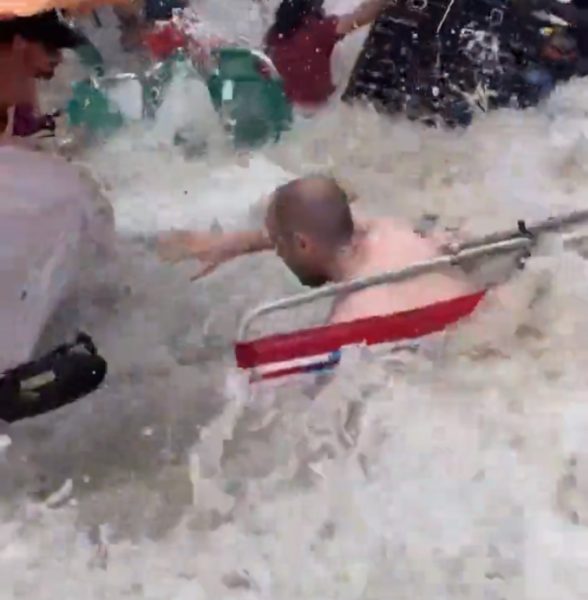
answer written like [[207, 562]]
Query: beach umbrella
[[25, 8]]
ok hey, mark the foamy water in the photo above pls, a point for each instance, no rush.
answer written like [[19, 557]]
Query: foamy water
[[464, 475]]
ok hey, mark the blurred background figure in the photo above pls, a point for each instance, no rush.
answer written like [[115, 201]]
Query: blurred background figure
[[137, 17]]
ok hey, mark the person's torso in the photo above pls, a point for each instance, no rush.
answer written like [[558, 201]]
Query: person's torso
[[391, 246], [303, 59]]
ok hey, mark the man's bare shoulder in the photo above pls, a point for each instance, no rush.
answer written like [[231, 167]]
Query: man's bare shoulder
[[386, 223]]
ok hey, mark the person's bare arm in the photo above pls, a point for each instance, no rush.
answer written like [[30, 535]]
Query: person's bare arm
[[183, 245], [361, 16], [238, 243], [211, 249]]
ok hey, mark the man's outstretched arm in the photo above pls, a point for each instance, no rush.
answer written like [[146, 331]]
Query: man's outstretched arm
[[363, 15], [211, 249]]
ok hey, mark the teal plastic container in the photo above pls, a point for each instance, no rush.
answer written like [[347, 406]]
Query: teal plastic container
[[244, 88], [248, 93], [90, 57], [90, 108]]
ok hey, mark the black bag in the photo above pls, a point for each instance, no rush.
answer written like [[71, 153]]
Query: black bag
[[61, 377]]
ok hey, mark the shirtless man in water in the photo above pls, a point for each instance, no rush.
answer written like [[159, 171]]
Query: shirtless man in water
[[310, 225]]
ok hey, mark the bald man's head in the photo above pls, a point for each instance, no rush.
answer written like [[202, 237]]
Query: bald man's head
[[310, 221]]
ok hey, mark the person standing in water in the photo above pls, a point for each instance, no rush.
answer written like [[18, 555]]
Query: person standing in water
[[301, 42], [310, 225]]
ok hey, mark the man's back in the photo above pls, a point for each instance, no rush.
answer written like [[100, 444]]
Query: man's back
[[392, 245]]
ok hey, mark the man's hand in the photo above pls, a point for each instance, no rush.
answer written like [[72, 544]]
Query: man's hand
[[211, 249], [176, 246]]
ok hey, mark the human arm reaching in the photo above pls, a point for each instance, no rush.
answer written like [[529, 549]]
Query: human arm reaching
[[211, 249], [363, 15]]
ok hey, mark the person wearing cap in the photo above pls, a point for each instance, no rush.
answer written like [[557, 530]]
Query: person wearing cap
[[54, 220], [30, 48]]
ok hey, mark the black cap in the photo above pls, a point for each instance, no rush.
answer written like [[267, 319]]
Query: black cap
[[46, 28]]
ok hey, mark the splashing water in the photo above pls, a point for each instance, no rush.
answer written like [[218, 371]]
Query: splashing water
[[462, 475]]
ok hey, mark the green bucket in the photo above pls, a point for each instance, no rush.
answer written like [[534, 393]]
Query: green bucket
[[251, 102]]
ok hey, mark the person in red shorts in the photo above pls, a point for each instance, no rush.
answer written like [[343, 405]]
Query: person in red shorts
[[301, 42]]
